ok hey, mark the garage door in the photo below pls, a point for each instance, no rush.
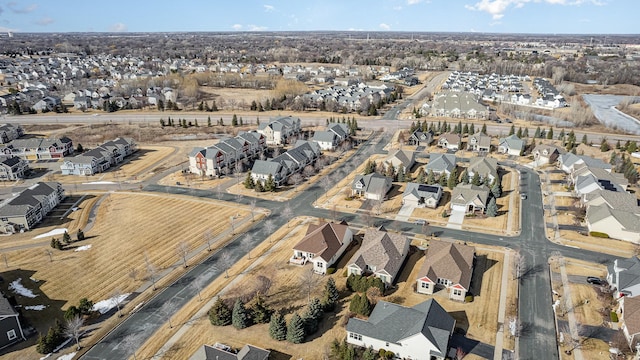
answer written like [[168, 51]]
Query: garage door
[[458, 208]]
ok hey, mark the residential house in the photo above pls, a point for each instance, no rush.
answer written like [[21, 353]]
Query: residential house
[[10, 132], [322, 245], [221, 158], [479, 142], [586, 180], [12, 168], [421, 138], [617, 224], [23, 211], [486, 167], [327, 140], [441, 164], [9, 324], [284, 165], [422, 195], [279, 129], [568, 162], [629, 318], [224, 352], [447, 265], [99, 159], [450, 141], [620, 200], [421, 332], [341, 130], [401, 159], [624, 276], [381, 254], [372, 186], [544, 154], [469, 198], [511, 145], [39, 149]]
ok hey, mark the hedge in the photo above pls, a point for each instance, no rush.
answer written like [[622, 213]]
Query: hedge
[[614, 317], [599, 234], [468, 299], [331, 270]]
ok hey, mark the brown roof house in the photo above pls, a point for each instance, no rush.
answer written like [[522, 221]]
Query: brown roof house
[[450, 141], [447, 265], [223, 352], [322, 245], [544, 154], [629, 314], [401, 158], [469, 198], [479, 142], [381, 254]]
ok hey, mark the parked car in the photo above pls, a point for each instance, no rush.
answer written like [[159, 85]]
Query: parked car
[[523, 196], [595, 280], [420, 222]]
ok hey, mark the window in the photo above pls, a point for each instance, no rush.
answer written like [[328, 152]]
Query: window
[[319, 264], [355, 336], [457, 292], [11, 334], [424, 285]]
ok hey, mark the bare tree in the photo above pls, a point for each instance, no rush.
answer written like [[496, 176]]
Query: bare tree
[[167, 310], [295, 179], [308, 171], [117, 298], [252, 205], [269, 226], [50, 254], [73, 329], [247, 244], [309, 280], [182, 249], [233, 227], [238, 170], [287, 213], [133, 274], [326, 183], [225, 262], [198, 283], [152, 273], [208, 237]]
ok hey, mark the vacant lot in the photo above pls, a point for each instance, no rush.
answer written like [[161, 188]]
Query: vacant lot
[[129, 228]]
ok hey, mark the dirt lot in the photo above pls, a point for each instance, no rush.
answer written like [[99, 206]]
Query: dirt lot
[[128, 227]]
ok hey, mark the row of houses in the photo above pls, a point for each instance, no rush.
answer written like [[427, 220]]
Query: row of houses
[[420, 332], [222, 157], [350, 96], [278, 130], [38, 148], [10, 132], [623, 276], [24, 210], [99, 159], [456, 105], [281, 167], [478, 142]]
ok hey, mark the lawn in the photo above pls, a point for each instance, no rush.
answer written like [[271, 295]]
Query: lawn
[[129, 227]]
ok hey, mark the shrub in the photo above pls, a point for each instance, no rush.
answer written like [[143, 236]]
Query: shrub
[[344, 273], [46, 344], [614, 317], [599, 234], [468, 298], [331, 270]]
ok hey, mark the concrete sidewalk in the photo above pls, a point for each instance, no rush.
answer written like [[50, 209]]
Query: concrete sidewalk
[[497, 354]]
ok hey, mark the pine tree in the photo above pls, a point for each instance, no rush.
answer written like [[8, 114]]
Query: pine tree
[[496, 189], [401, 175], [209, 121], [550, 134], [431, 178], [220, 314], [312, 316], [537, 134], [584, 139], [465, 177], [258, 187], [221, 121], [80, 235], [295, 329], [214, 107], [519, 132], [421, 178], [512, 130], [472, 129], [453, 179], [260, 312], [270, 184], [492, 208], [465, 129], [278, 327], [618, 145], [561, 135], [525, 133], [248, 181], [484, 129], [234, 120], [239, 317], [632, 147], [330, 295], [443, 179], [475, 180], [604, 145], [66, 237]]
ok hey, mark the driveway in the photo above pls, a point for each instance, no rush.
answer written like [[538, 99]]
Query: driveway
[[456, 219], [405, 212]]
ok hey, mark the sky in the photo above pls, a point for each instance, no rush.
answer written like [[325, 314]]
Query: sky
[[492, 16]]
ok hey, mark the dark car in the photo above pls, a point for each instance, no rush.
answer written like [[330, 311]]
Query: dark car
[[595, 280]]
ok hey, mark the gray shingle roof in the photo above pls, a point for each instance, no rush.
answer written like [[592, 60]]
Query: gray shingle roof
[[373, 183], [441, 163], [392, 323], [380, 251], [422, 190], [447, 260], [465, 194]]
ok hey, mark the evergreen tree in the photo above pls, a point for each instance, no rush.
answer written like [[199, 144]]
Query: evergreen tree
[[421, 178], [195, 121], [475, 180], [550, 134], [277, 327], [537, 134], [66, 237], [443, 179], [295, 329], [584, 139], [604, 145], [525, 133], [496, 189], [234, 120], [257, 120], [214, 107], [431, 178], [312, 316], [239, 316], [618, 145], [254, 106], [369, 354], [453, 179], [330, 295], [484, 129], [270, 185], [492, 208], [512, 130], [209, 121], [401, 175], [465, 129], [632, 147], [459, 127], [260, 312], [465, 177], [472, 129], [80, 235], [220, 314], [258, 187], [221, 121], [561, 135], [248, 181], [519, 133]]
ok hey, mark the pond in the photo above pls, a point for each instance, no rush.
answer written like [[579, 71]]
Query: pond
[[603, 107]]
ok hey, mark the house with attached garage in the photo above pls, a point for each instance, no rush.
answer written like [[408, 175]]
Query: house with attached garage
[[10, 327], [469, 198], [223, 352], [221, 158], [485, 167], [9, 132], [586, 180], [99, 159], [284, 165], [371, 186], [615, 223], [327, 140], [24, 210], [450, 141], [421, 332], [569, 162], [421, 138], [544, 154], [479, 142], [422, 195], [447, 265], [12, 168], [511, 145], [381, 254], [624, 277], [39, 149], [401, 159], [629, 318], [322, 245], [441, 164]]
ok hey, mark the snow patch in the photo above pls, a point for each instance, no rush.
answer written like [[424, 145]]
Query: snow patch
[[555, 305], [36, 307], [67, 356], [17, 287], [512, 327], [83, 248], [34, 279], [99, 183], [104, 306], [52, 233]]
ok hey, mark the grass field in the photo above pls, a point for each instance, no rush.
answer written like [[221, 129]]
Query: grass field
[[129, 227]]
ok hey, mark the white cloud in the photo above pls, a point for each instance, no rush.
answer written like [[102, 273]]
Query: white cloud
[[497, 8], [354, 29], [384, 26], [256, 27], [268, 8], [118, 27], [16, 9], [237, 26], [413, 2], [44, 21]]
